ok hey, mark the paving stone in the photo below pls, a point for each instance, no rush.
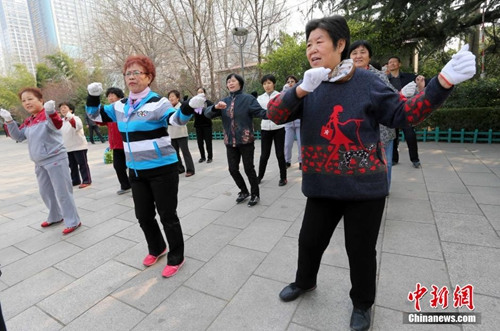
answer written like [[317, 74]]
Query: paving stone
[[454, 203], [473, 265], [97, 218], [328, 307], [238, 218], [285, 209], [389, 319], [149, 289], [89, 259], [412, 239], [109, 314], [410, 210], [76, 298], [185, 309], [255, 307], [10, 254], [207, 242], [485, 195], [40, 241], [133, 233], [33, 319], [281, 262], [226, 272], [27, 293], [262, 234], [213, 190], [488, 307], [296, 327], [480, 179], [466, 229], [492, 213], [198, 219], [37, 262], [13, 237], [415, 191], [224, 202], [399, 275], [446, 185], [98, 233]]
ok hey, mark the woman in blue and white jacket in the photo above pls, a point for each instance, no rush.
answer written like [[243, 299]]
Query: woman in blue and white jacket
[[142, 119]]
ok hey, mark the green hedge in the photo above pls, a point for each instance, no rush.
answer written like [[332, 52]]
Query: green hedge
[[470, 119]]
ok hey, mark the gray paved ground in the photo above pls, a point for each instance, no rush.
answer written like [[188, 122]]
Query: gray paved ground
[[441, 227]]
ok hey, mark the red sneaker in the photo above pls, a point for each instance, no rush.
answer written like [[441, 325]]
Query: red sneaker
[[149, 260], [71, 229], [46, 224], [84, 185], [171, 270]]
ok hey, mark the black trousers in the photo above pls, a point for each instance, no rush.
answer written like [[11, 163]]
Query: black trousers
[[361, 226], [411, 142], [204, 135], [78, 165], [2, 322], [157, 188], [120, 165], [182, 145], [234, 155], [95, 128], [268, 136]]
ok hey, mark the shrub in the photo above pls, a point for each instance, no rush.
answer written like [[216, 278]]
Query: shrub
[[483, 119], [475, 93]]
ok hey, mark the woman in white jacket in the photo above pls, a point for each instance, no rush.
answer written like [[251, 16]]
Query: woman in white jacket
[[271, 132], [76, 145]]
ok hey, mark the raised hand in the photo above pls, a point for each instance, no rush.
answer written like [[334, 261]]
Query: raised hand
[[461, 67], [94, 89], [50, 107], [6, 115], [313, 78], [197, 101]]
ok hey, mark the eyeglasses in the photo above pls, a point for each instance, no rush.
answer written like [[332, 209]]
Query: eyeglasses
[[134, 73]]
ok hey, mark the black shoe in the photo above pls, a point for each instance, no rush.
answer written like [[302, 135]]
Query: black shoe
[[394, 162], [253, 200], [182, 171], [416, 164], [201, 160], [259, 180], [282, 182], [209, 161], [360, 319], [300, 166], [242, 196], [288, 164], [292, 292]]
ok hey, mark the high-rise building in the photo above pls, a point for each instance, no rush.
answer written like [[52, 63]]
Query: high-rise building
[[61, 25], [16, 35], [32, 29]]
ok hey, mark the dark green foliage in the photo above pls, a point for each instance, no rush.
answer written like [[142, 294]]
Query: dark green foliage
[[475, 93], [469, 119]]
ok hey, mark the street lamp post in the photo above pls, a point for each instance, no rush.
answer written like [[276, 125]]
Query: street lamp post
[[240, 35]]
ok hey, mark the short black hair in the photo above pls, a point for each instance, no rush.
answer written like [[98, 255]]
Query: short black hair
[[359, 43], [238, 77], [394, 57], [202, 88], [177, 93], [268, 77], [337, 29], [116, 91], [255, 94], [70, 106], [293, 77]]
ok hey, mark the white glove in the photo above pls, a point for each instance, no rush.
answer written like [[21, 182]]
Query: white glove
[[314, 77], [197, 101], [409, 89], [69, 115], [94, 89], [6, 115], [50, 107], [461, 67]]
